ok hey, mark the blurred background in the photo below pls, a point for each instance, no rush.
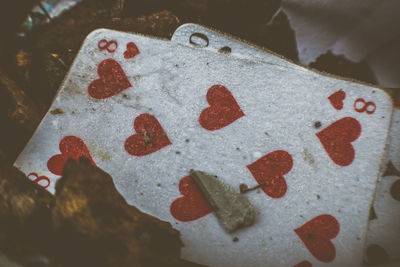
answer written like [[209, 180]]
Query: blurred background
[[366, 31]]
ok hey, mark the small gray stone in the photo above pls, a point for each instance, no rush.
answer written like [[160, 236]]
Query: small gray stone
[[232, 209]]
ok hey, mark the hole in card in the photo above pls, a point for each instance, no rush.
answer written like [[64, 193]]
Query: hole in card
[[199, 39]]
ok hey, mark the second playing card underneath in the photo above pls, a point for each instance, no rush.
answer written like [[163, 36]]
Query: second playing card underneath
[[147, 111], [383, 231]]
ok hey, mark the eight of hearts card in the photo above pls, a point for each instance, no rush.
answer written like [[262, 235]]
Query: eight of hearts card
[[383, 231], [148, 111]]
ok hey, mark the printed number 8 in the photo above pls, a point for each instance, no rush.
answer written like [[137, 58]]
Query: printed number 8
[[368, 107], [110, 46]]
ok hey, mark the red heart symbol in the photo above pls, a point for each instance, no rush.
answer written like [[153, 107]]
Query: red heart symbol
[[112, 80], [337, 98], [269, 170], [316, 235], [150, 136], [337, 137], [303, 264], [192, 205], [70, 147], [223, 109], [131, 50]]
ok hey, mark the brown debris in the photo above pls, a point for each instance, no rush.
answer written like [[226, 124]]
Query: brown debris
[[24, 112], [86, 223], [162, 24], [22, 58], [87, 206], [56, 111], [24, 215]]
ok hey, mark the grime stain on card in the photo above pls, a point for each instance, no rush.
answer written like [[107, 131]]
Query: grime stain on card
[[309, 158], [167, 91], [103, 156], [56, 111]]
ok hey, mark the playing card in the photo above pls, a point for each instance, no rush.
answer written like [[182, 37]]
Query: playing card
[[148, 111], [383, 229]]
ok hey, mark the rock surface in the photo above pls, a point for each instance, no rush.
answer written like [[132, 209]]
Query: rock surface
[[97, 224], [86, 223]]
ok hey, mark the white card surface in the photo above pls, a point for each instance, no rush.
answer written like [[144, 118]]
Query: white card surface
[[147, 111], [383, 229]]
